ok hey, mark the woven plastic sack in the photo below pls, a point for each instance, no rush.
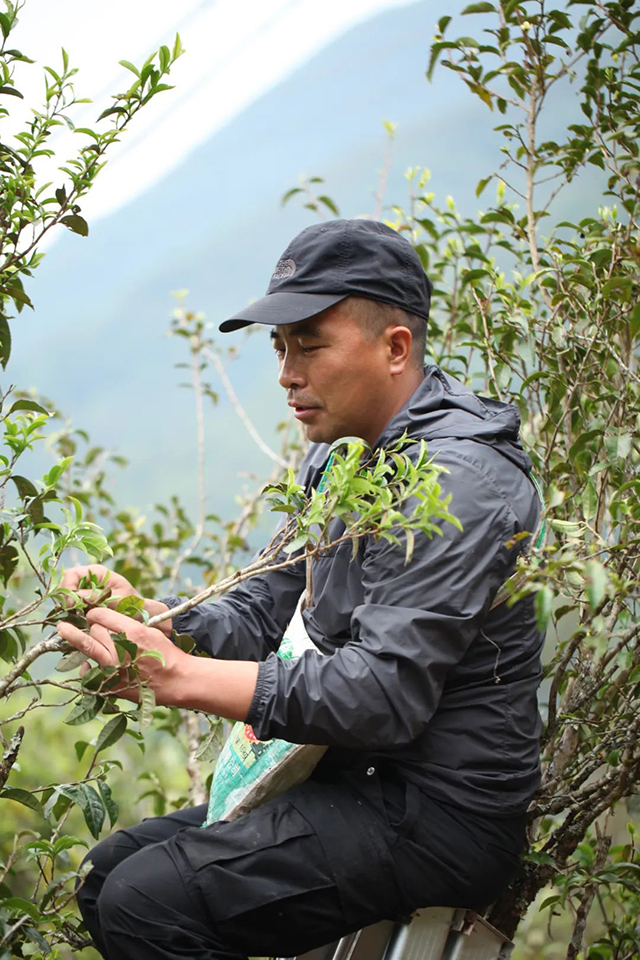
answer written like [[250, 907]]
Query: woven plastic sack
[[250, 771]]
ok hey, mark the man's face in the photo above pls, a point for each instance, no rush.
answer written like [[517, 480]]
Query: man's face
[[339, 382]]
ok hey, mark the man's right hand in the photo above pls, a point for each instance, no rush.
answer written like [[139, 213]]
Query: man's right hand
[[110, 585]]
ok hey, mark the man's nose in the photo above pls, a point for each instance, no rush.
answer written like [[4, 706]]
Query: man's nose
[[290, 376]]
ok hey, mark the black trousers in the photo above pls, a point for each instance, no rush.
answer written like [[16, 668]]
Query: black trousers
[[328, 857]]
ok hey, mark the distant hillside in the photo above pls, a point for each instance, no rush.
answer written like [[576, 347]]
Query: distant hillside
[[97, 341]]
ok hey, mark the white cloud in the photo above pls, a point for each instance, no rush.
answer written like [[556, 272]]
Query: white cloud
[[236, 51]]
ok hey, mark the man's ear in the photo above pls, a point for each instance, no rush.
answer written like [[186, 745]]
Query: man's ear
[[399, 345]]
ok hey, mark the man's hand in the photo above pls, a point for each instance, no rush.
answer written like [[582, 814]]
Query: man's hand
[[165, 679], [225, 688], [112, 585]]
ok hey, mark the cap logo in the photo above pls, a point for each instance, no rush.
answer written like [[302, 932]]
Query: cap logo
[[284, 269]]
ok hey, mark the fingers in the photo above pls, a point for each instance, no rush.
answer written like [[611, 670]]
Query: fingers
[[117, 622], [102, 635], [89, 644], [99, 647], [73, 577]]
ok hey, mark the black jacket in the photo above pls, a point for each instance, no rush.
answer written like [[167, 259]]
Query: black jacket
[[417, 672]]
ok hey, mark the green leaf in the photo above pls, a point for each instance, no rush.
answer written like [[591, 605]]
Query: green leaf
[[28, 405], [36, 937], [568, 527], [130, 66], [436, 50], [290, 193], [18, 905], [85, 710], [328, 202], [66, 843], [26, 489], [8, 562], [110, 111], [624, 445], [109, 803], [21, 796], [183, 641], [11, 92], [543, 607], [472, 275], [479, 8], [5, 25], [5, 342], [164, 57], [582, 441], [596, 583], [52, 477], [125, 648], [482, 184], [130, 606], [210, 746], [16, 293], [147, 706], [111, 732], [296, 544], [92, 807], [511, 7], [76, 224], [154, 654]]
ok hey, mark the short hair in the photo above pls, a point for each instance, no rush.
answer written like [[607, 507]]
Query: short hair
[[374, 318]]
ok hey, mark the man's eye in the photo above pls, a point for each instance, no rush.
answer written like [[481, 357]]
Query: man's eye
[[309, 349], [279, 352]]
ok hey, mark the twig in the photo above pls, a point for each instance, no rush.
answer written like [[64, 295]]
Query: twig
[[10, 755], [51, 644], [11, 859], [197, 789], [239, 409], [492, 371], [582, 913], [384, 174], [36, 704], [199, 531]]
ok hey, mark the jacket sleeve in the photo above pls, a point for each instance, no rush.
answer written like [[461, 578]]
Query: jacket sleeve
[[415, 622], [247, 623]]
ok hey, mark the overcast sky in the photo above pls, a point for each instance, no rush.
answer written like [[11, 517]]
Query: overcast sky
[[235, 51]]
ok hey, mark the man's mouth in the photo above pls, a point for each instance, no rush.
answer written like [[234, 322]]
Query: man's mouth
[[302, 412]]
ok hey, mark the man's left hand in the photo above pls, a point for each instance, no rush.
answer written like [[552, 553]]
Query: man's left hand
[[165, 679]]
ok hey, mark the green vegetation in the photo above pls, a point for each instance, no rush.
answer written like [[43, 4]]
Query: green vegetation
[[527, 309]]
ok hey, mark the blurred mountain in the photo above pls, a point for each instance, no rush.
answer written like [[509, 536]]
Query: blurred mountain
[[97, 342]]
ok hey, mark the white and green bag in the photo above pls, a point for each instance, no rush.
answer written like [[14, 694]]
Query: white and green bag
[[250, 771]]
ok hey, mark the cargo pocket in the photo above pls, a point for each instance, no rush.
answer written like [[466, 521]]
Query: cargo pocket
[[268, 855], [405, 826]]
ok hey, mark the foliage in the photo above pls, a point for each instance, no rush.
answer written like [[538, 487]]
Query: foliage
[[552, 322], [30, 208], [68, 514], [527, 307]]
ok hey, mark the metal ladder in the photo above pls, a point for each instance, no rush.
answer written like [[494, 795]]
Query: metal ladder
[[435, 933]]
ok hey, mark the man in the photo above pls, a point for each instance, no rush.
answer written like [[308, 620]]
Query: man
[[424, 695]]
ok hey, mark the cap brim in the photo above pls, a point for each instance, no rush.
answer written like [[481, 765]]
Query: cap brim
[[277, 308]]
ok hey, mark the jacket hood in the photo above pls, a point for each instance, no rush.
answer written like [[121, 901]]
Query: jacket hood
[[442, 408]]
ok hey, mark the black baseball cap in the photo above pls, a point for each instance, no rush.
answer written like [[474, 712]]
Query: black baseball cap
[[330, 261]]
